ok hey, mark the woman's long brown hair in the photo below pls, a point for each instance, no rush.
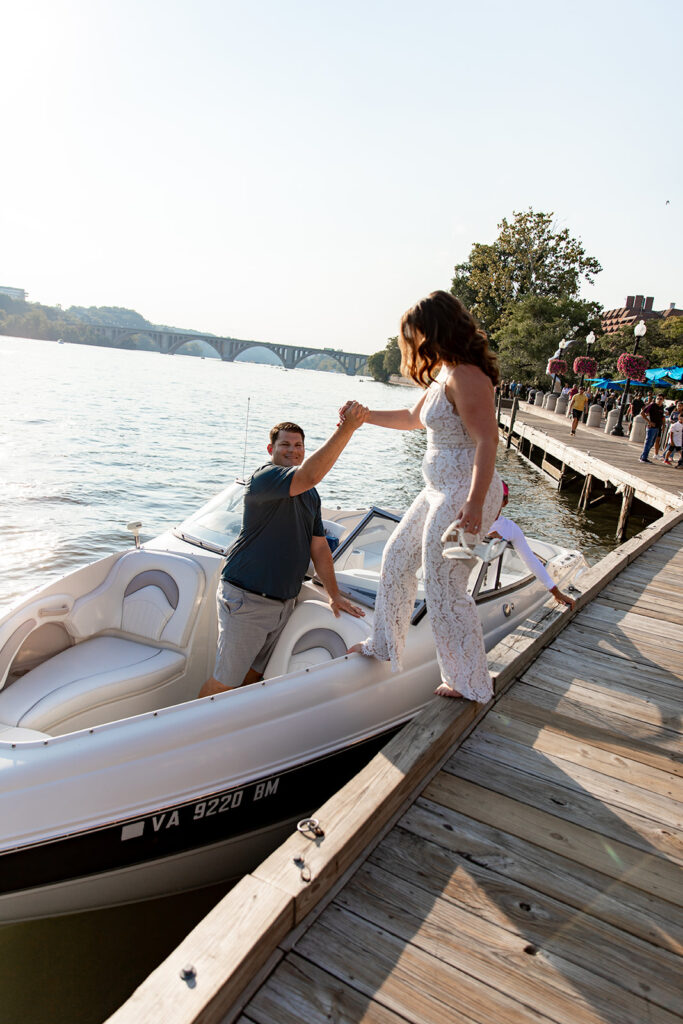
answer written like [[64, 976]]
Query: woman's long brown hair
[[451, 335]]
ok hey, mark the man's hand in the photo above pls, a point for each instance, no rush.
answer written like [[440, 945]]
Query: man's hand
[[342, 604]]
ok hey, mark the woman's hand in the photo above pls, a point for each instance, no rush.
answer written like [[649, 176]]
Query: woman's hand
[[343, 409], [469, 516]]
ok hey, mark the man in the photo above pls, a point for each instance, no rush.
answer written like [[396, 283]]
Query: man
[[578, 404], [636, 406], [653, 414], [282, 530], [510, 531]]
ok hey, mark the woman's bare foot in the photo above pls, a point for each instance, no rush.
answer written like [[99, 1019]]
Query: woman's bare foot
[[446, 691], [356, 649]]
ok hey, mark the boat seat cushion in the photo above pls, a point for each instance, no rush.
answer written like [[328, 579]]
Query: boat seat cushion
[[313, 636], [151, 595], [78, 685]]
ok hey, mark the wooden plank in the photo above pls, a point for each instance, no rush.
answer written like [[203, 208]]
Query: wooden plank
[[499, 955], [572, 663], [570, 804], [584, 779], [394, 973], [631, 622], [662, 713], [623, 862], [650, 744], [221, 952], [609, 642], [300, 993], [544, 956], [580, 752], [508, 856]]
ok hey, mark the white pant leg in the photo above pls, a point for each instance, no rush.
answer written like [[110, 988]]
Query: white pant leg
[[398, 586], [453, 615]]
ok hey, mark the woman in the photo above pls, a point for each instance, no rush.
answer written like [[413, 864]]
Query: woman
[[462, 488]]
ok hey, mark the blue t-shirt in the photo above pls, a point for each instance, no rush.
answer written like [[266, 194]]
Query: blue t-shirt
[[272, 552]]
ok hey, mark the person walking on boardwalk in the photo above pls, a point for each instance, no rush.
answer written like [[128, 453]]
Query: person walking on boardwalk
[[461, 489], [653, 414], [579, 402]]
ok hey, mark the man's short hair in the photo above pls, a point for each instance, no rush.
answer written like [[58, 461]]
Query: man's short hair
[[288, 428]]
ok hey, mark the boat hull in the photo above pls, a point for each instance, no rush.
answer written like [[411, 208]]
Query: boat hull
[[217, 837]]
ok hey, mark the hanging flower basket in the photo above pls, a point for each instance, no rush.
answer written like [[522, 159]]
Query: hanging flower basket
[[586, 366], [556, 366], [632, 367]]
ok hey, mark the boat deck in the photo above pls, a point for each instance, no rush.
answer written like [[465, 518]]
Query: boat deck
[[535, 876]]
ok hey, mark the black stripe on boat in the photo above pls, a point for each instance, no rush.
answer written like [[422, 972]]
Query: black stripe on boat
[[213, 818]]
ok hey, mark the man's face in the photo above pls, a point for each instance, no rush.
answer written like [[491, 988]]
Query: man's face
[[287, 449]]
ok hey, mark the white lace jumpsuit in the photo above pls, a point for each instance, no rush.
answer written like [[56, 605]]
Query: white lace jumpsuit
[[447, 470]]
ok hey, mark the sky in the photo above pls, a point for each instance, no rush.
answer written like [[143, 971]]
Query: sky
[[303, 172]]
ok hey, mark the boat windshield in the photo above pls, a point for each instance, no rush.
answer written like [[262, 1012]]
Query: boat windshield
[[358, 560], [217, 524]]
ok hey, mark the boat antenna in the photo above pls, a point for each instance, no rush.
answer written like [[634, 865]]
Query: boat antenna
[[246, 432]]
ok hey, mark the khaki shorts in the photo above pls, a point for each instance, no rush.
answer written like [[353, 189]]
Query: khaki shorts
[[248, 629]]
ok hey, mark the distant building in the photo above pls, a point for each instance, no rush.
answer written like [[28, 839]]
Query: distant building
[[637, 307], [14, 293]]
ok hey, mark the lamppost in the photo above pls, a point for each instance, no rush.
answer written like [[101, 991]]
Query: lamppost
[[639, 332], [590, 340], [562, 346]]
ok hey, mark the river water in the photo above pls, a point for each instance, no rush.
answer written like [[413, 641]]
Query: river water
[[93, 438]]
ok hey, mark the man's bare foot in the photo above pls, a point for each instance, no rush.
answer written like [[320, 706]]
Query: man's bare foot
[[356, 649], [446, 691]]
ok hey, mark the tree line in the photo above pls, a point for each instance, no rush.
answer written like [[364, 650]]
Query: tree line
[[524, 290]]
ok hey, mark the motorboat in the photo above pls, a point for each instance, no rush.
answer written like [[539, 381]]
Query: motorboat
[[118, 784]]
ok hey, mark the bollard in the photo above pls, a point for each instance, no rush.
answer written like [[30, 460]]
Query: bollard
[[638, 430], [561, 406], [538, 398], [594, 416], [552, 402], [611, 422]]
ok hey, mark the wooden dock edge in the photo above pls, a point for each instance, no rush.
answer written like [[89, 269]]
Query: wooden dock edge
[[583, 463], [236, 944]]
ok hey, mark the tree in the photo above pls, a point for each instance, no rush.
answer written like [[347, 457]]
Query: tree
[[376, 366], [392, 357], [531, 330], [528, 258]]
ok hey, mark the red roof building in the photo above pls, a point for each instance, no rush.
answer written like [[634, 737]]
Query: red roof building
[[637, 307]]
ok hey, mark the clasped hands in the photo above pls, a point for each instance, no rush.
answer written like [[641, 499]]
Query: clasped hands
[[353, 413]]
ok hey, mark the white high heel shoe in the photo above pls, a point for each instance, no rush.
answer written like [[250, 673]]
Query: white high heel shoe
[[484, 550]]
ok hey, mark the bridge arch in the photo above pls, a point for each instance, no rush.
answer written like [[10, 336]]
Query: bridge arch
[[178, 343]]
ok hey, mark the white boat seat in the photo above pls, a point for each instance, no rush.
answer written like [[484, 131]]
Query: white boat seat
[[97, 680], [312, 636], [153, 595]]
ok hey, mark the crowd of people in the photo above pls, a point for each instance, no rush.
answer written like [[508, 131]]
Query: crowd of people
[[664, 419]]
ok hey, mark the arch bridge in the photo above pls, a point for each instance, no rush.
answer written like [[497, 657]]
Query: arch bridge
[[170, 341]]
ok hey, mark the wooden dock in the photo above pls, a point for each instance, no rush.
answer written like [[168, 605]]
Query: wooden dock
[[515, 863], [602, 467]]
